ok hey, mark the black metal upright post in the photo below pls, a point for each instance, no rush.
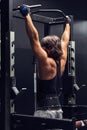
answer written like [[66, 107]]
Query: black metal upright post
[[69, 71], [46, 29], [6, 27]]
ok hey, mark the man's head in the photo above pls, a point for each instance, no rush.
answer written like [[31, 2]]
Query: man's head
[[52, 45]]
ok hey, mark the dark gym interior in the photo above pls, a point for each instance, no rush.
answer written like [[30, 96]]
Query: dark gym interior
[[24, 59]]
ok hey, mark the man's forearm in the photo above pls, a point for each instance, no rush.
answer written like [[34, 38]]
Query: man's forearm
[[66, 34], [30, 28]]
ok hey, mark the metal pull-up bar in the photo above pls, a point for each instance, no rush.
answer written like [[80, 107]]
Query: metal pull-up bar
[[41, 18], [51, 10], [41, 10]]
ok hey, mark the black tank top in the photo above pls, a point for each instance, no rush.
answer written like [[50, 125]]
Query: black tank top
[[48, 91]]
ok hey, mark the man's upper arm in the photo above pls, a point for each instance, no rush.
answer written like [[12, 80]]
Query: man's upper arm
[[64, 56], [66, 35], [64, 44], [39, 52]]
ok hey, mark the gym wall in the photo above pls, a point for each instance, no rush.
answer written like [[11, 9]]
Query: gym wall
[[80, 37], [24, 57]]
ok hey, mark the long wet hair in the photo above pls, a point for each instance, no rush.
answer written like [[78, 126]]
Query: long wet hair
[[53, 44]]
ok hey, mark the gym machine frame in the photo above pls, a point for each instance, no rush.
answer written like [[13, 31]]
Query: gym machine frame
[[48, 22], [7, 71]]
